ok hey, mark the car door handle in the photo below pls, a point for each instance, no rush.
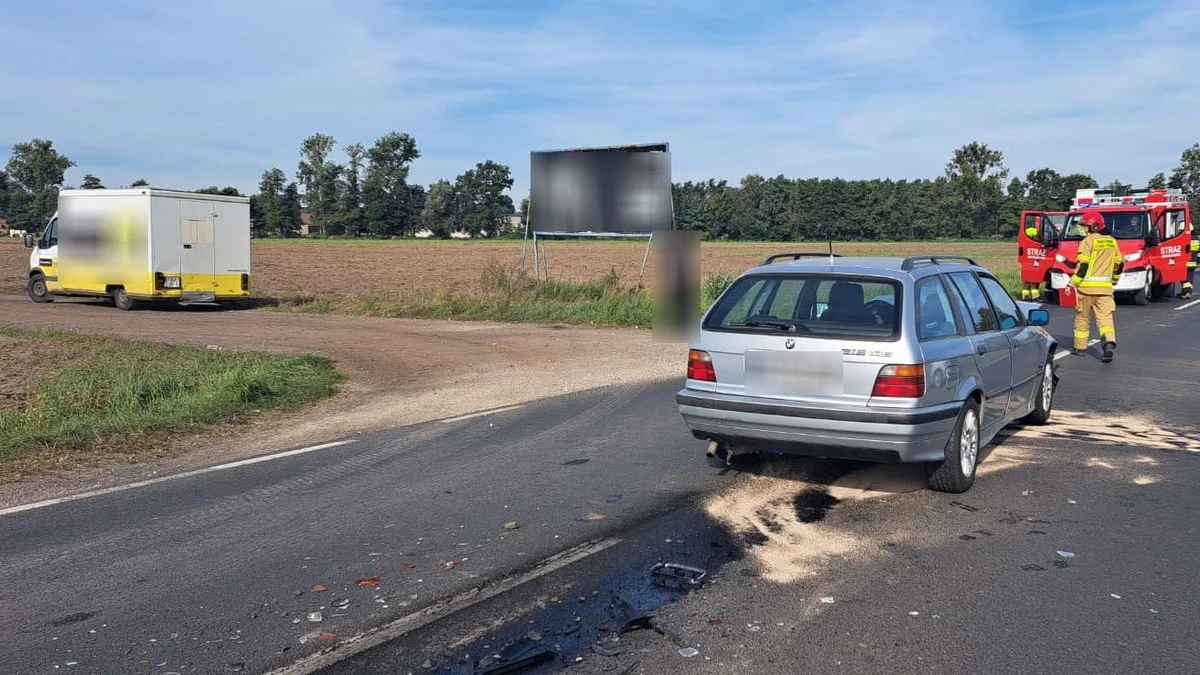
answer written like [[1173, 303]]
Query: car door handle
[[187, 245]]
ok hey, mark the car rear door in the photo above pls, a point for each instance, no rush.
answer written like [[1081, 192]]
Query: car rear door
[[1027, 353], [993, 351]]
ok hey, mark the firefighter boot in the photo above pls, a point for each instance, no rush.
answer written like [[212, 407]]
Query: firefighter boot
[[1025, 294], [1035, 294], [1186, 293], [1109, 347]]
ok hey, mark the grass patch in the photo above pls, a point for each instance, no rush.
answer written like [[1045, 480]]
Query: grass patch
[[85, 395]]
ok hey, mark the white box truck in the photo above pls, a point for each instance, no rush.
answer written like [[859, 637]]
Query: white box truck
[[143, 244]]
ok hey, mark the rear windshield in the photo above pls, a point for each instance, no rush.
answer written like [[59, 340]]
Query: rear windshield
[[811, 305]]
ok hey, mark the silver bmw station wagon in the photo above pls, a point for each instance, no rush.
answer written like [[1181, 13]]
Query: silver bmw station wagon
[[920, 359]]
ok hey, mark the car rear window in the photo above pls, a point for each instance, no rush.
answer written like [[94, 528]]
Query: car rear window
[[812, 305]]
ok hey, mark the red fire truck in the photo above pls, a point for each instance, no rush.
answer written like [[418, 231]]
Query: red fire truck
[[1152, 230]]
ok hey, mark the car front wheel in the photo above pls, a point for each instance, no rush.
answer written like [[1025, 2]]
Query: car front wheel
[[956, 473]]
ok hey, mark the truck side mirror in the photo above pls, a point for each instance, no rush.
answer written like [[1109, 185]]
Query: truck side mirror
[[1048, 237], [28, 240], [1155, 237]]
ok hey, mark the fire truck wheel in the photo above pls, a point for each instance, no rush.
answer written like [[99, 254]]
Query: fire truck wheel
[[1043, 398], [1143, 295], [956, 473]]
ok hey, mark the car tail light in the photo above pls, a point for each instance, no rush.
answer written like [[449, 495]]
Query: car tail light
[[900, 381], [160, 281], [245, 282], [700, 366]]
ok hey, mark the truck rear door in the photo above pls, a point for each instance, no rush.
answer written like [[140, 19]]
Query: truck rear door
[[198, 256]]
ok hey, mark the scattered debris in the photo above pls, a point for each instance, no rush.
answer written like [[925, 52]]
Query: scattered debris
[[827, 600], [575, 462], [341, 603], [315, 617], [235, 667], [328, 636], [914, 613], [518, 656], [1154, 611], [1071, 501], [319, 589], [1025, 493], [964, 507], [373, 582], [1115, 596], [632, 619], [716, 622], [595, 516], [512, 525], [449, 564], [666, 574], [1065, 554], [688, 652], [408, 566], [604, 651], [1033, 568]]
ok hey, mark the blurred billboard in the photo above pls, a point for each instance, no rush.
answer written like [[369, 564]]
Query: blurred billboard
[[621, 189]]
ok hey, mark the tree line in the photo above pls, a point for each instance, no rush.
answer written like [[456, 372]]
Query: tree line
[[367, 193]]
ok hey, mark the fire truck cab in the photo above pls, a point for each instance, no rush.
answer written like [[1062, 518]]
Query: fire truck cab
[[1152, 229], [1033, 253]]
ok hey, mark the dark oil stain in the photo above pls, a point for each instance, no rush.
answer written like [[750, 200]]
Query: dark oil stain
[[813, 505], [575, 462], [966, 537], [72, 618]]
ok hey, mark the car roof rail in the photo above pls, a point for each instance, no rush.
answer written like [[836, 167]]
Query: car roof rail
[[911, 261], [796, 256]]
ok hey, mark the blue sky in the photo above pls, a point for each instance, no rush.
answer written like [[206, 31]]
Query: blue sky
[[214, 92]]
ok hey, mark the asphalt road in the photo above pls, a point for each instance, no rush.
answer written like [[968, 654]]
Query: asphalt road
[[216, 572]]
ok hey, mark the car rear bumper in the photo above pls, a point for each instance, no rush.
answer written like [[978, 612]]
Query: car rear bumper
[[872, 434]]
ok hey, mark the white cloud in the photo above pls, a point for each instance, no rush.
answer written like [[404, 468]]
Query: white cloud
[[214, 93]]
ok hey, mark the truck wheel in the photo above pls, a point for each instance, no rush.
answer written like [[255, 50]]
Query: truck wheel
[[956, 473], [37, 289], [1143, 295], [1043, 399], [122, 300]]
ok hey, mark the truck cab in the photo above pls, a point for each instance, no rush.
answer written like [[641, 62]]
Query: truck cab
[[1036, 244], [43, 262], [1152, 233]]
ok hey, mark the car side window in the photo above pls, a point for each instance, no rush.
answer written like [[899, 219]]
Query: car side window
[[1006, 308], [935, 316], [978, 308]]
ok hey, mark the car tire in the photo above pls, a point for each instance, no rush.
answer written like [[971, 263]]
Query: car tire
[[1142, 296], [956, 473], [122, 300], [1043, 398], [37, 289]]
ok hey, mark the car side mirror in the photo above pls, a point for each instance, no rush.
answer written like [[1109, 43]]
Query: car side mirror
[[1039, 317], [1048, 238], [1155, 238], [28, 240]]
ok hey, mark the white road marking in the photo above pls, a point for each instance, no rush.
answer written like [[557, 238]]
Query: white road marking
[[162, 479], [1067, 351], [460, 418], [1186, 305], [410, 622]]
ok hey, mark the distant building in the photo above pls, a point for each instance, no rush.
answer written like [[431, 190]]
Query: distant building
[[306, 220]]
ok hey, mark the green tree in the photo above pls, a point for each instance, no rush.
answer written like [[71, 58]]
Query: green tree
[[353, 214], [1157, 181], [225, 191], [90, 182], [386, 197], [481, 205], [141, 182], [273, 215], [437, 215], [1186, 177], [35, 175], [5, 191], [318, 176], [977, 173]]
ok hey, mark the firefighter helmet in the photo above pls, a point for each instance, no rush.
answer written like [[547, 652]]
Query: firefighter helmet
[[1093, 222]]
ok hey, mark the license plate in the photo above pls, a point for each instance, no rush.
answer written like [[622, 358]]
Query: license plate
[[787, 374]]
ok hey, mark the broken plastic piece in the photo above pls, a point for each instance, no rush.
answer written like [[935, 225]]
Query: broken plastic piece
[[1065, 554], [827, 600], [681, 575], [688, 652]]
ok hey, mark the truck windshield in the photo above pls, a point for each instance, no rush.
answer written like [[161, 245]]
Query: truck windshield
[[812, 305], [1121, 225]]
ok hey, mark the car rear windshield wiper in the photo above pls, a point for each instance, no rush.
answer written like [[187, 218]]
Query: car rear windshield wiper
[[789, 326]]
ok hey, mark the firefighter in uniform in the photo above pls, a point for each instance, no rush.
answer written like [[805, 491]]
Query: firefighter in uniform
[[1097, 269], [1193, 259], [1031, 291]]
